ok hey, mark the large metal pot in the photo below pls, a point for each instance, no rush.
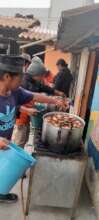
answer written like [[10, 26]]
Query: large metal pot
[[61, 139]]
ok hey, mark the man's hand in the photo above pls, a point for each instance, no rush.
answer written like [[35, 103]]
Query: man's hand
[[32, 111], [3, 143], [58, 93], [62, 103]]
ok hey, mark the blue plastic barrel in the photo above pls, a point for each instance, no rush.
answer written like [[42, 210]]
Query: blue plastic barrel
[[13, 164]]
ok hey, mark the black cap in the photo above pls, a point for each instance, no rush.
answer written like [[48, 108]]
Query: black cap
[[61, 62], [10, 63]]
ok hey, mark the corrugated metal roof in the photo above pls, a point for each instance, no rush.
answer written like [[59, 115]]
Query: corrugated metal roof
[[80, 10], [38, 33], [22, 23], [77, 25]]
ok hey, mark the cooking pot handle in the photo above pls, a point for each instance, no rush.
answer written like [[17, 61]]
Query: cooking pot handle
[[59, 135]]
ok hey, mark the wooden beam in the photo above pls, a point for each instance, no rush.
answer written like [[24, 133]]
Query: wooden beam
[[88, 81], [37, 42], [43, 52]]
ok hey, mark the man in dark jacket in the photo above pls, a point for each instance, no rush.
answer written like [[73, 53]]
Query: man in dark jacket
[[63, 79]]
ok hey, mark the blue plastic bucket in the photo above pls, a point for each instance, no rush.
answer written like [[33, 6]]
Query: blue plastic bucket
[[13, 164], [37, 120]]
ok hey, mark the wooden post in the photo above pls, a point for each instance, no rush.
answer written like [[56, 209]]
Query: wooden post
[[88, 82], [81, 80], [73, 68], [70, 60], [72, 64]]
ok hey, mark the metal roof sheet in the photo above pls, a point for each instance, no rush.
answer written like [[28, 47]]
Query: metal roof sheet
[[77, 25]]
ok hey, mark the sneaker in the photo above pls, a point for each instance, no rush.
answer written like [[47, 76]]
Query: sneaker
[[8, 198]]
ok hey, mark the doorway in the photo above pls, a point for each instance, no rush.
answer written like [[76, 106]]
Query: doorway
[[36, 49]]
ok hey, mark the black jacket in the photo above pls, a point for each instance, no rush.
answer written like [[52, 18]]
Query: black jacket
[[36, 86], [63, 80]]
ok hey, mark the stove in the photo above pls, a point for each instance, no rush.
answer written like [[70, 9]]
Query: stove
[[48, 185], [41, 148]]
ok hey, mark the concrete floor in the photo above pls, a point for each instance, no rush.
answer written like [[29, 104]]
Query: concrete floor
[[14, 211]]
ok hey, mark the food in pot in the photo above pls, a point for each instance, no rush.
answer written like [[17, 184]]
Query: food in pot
[[64, 121]]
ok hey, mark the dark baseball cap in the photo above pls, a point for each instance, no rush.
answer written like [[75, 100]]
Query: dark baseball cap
[[61, 62]]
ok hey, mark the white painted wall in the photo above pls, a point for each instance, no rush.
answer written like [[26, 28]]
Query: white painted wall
[[57, 6]]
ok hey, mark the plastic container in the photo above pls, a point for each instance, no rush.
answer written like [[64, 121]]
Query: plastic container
[[13, 164], [37, 120]]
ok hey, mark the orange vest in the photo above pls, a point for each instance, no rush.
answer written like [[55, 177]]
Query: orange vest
[[24, 118]]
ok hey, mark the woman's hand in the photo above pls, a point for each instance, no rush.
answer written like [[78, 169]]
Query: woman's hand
[[60, 102], [29, 111], [3, 143]]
